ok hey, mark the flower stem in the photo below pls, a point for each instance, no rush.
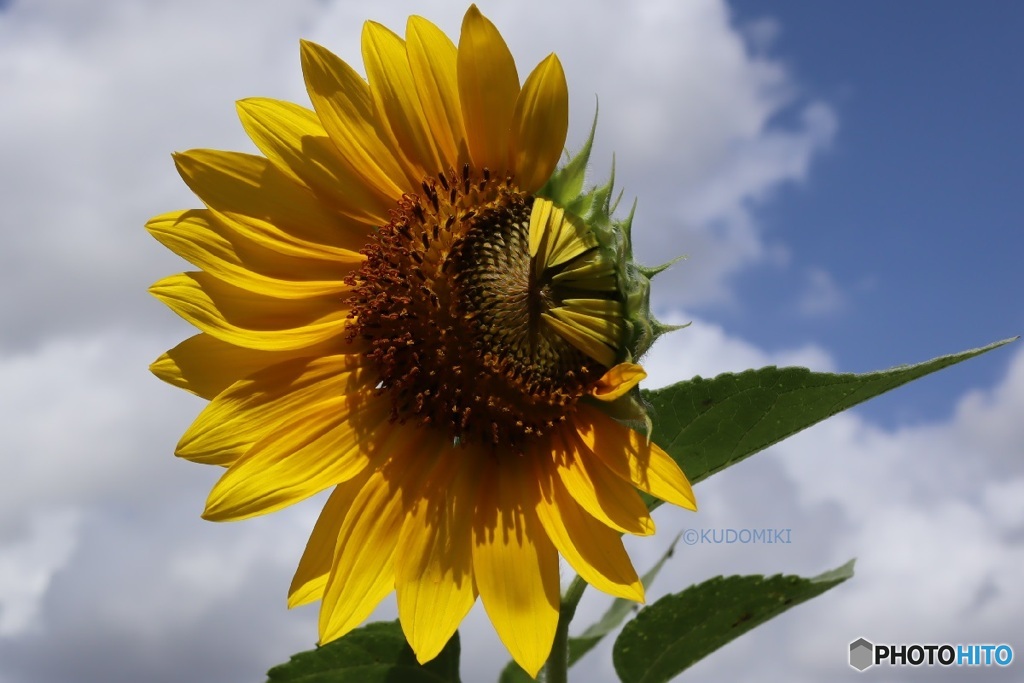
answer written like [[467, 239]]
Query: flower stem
[[557, 668]]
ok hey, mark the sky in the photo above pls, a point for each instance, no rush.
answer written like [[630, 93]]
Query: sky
[[841, 176]]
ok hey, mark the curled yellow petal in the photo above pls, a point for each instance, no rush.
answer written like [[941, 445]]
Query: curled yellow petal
[[582, 338], [618, 381], [555, 236]]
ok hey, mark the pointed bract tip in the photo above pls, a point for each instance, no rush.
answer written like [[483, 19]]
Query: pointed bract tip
[[651, 271]]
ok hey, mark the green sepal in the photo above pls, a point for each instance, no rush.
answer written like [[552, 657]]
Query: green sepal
[[566, 183], [595, 208], [651, 271]]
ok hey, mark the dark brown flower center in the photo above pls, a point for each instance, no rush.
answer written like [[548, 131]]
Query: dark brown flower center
[[451, 302]]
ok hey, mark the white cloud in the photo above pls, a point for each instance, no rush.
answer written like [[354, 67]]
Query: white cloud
[[821, 295], [101, 548], [27, 566], [678, 76], [1004, 503], [931, 512], [159, 578], [96, 97], [82, 417], [96, 100], [706, 349]]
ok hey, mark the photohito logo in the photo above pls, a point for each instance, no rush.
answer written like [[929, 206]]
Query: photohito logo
[[864, 654]]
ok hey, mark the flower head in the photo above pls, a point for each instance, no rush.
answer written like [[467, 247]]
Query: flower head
[[404, 301]]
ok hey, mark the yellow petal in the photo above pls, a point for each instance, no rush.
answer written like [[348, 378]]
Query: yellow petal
[[488, 88], [248, 185], [250, 320], [634, 458], [310, 577], [600, 318], [539, 125], [582, 338], [292, 137], [594, 550], [589, 272], [433, 58], [555, 236], [364, 567], [605, 496], [397, 103], [618, 381], [206, 366], [515, 564], [259, 404], [285, 248], [343, 103], [208, 243], [607, 330], [433, 560], [317, 447]]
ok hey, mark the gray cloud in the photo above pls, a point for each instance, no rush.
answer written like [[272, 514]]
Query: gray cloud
[[96, 101], [106, 571]]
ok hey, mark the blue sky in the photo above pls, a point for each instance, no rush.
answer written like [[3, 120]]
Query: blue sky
[[843, 177], [915, 210]]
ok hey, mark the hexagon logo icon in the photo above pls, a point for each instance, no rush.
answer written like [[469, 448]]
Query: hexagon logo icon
[[861, 654]]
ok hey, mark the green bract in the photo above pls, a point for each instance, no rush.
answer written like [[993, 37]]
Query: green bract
[[595, 207]]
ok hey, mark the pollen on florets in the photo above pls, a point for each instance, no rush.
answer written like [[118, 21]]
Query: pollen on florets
[[451, 304]]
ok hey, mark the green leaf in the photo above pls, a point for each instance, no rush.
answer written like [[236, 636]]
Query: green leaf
[[679, 630], [375, 653], [615, 615], [707, 425], [513, 673]]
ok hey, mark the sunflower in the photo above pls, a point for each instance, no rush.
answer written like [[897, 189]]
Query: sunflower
[[403, 300]]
